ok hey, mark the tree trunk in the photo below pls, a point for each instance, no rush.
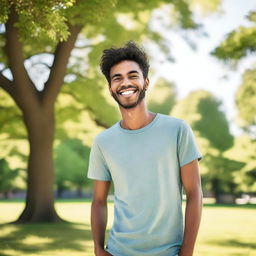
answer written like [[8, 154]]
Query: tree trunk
[[220, 196], [40, 198], [216, 190], [60, 190], [79, 192], [38, 114], [6, 195]]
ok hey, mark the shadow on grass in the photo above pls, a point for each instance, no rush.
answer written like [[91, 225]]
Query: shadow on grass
[[28, 238], [234, 243]]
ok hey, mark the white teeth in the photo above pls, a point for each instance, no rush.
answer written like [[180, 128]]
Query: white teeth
[[127, 92]]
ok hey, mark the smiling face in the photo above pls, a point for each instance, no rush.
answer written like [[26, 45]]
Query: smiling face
[[127, 84]]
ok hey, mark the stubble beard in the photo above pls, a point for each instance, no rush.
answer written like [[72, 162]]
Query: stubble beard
[[142, 94]]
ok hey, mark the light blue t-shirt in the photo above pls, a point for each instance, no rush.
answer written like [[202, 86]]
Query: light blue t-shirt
[[144, 165]]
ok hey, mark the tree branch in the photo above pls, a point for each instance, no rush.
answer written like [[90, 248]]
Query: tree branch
[[25, 93], [58, 70], [7, 85]]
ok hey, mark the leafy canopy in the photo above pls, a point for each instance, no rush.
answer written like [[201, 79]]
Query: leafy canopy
[[239, 42]]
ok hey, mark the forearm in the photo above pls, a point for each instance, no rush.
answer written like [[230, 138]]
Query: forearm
[[192, 222], [98, 225]]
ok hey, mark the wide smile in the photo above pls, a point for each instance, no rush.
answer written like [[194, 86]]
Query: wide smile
[[127, 93]]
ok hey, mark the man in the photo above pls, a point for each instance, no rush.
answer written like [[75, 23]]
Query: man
[[148, 157]]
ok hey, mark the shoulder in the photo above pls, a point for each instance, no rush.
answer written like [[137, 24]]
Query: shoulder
[[173, 122]]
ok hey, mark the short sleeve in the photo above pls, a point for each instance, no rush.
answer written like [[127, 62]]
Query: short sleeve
[[187, 147], [98, 169]]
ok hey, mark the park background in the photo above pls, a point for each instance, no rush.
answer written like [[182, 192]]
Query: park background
[[54, 101]]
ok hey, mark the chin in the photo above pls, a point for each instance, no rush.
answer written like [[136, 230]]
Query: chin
[[128, 106]]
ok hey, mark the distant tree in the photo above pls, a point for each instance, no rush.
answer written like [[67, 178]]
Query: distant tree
[[238, 44], [162, 97], [244, 151], [245, 100], [10, 118], [202, 111], [71, 162], [8, 177]]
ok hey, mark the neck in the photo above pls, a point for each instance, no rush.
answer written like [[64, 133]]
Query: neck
[[137, 117]]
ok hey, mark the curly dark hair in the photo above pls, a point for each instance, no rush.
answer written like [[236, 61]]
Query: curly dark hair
[[130, 51]]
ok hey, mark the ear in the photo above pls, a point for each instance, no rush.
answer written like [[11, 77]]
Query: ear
[[146, 83], [109, 88]]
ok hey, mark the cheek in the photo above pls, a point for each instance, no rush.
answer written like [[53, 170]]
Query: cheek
[[143, 81], [113, 86], [111, 90]]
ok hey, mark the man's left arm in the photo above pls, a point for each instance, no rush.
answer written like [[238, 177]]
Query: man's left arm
[[192, 184]]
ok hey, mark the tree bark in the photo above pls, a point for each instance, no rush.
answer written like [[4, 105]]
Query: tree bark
[[40, 196]]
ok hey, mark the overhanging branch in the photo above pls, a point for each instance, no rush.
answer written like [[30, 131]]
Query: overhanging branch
[[58, 70], [24, 89]]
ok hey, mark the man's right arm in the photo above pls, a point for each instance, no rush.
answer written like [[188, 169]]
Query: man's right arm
[[99, 216]]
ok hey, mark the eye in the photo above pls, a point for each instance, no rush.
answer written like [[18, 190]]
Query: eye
[[117, 79], [133, 77]]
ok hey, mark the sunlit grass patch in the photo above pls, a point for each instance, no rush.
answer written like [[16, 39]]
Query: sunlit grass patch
[[225, 231], [35, 240]]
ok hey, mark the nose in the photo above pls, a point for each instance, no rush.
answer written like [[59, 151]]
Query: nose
[[125, 81]]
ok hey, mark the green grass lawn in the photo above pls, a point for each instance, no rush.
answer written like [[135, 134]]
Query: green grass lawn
[[224, 231]]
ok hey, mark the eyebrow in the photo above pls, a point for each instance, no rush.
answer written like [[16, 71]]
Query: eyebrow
[[130, 72]]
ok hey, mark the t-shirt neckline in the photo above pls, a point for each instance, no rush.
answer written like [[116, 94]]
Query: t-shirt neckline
[[146, 127]]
